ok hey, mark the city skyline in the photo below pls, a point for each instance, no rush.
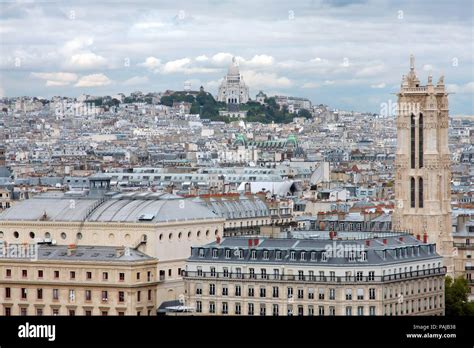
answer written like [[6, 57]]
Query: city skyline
[[332, 52]]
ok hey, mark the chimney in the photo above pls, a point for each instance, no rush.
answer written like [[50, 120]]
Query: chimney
[[256, 242], [331, 235], [71, 249], [425, 237], [418, 237], [401, 239], [247, 189], [250, 243], [385, 241], [119, 251], [367, 243], [218, 240]]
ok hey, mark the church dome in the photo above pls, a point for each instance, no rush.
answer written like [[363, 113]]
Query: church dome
[[233, 68]]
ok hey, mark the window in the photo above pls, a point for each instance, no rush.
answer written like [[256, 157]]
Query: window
[[225, 290], [420, 192], [199, 306], [263, 309], [412, 141], [321, 294], [372, 310], [252, 272], [225, 271], [238, 309], [24, 273], [412, 192], [39, 294], [105, 296], [371, 275], [359, 276], [227, 254], [275, 310], [372, 293], [198, 289], [8, 311], [420, 141], [310, 293], [278, 255], [360, 294], [72, 275], [24, 293], [250, 309], [105, 276], [72, 295], [251, 291], [300, 293], [23, 311], [263, 292], [348, 294], [321, 310], [348, 310], [89, 275], [360, 310], [332, 310], [265, 255], [332, 294], [39, 311], [88, 295], [55, 294], [214, 253], [275, 292], [8, 273], [263, 273], [8, 292], [300, 310], [40, 274], [121, 277], [225, 308], [253, 254], [292, 256], [121, 296], [289, 292], [56, 274], [238, 290], [212, 289]]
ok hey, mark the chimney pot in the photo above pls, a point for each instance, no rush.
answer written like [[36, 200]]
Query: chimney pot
[[385, 241], [367, 242]]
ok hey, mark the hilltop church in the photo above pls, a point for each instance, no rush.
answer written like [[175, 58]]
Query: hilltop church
[[233, 89]]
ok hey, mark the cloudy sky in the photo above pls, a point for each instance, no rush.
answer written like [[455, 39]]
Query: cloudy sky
[[347, 54]]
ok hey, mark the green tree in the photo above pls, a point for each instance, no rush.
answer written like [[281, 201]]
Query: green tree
[[304, 113], [456, 297]]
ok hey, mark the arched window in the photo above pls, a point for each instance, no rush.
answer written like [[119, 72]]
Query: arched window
[[412, 141], [420, 192], [412, 191], [420, 141]]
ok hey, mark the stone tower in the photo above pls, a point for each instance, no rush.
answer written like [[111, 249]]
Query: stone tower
[[423, 174]]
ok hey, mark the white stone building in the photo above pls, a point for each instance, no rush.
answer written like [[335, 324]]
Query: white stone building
[[233, 89]]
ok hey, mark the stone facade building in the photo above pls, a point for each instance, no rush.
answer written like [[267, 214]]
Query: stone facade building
[[233, 89], [423, 175], [385, 275]]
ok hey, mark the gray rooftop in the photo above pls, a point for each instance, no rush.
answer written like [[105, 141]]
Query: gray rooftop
[[143, 207]]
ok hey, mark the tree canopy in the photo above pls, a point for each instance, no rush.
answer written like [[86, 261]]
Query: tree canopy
[[456, 297]]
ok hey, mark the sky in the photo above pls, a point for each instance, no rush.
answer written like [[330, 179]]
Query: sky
[[349, 55]]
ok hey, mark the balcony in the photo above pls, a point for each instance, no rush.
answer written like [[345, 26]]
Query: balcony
[[317, 279]]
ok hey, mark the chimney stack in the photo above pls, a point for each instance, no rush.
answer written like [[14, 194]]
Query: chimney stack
[[401, 239], [425, 237], [385, 241], [71, 249], [367, 242], [418, 237]]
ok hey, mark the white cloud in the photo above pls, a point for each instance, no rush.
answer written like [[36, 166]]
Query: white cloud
[[148, 25], [87, 60], [428, 67], [202, 58], [151, 63], [467, 88], [311, 85], [94, 80], [370, 70], [265, 80], [136, 80], [222, 58], [380, 85], [260, 61], [175, 66], [56, 79]]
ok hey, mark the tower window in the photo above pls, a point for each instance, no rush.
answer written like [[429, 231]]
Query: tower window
[[420, 142], [412, 142], [412, 192], [420, 192]]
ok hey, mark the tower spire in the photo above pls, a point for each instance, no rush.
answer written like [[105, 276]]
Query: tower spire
[[412, 62]]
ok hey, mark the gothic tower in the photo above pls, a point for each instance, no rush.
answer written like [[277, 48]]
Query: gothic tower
[[423, 174]]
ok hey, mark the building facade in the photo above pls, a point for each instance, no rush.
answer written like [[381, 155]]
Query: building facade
[[423, 175], [392, 275], [233, 89], [84, 280]]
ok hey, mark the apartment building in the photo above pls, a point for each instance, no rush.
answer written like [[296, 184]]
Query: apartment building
[[379, 275], [79, 280]]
